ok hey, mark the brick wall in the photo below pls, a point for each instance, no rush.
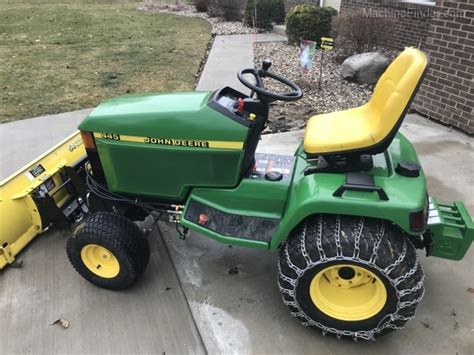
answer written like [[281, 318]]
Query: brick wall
[[446, 33], [411, 21], [447, 94]]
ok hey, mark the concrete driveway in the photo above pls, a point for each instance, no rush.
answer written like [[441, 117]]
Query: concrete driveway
[[188, 302]]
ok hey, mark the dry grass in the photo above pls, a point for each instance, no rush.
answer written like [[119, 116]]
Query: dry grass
[[63, 57]]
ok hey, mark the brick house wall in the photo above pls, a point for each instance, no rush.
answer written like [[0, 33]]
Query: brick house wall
[[447, 93], [412, 20], [411, 23], [446, 33]]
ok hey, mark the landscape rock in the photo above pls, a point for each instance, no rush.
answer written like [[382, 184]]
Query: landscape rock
[[365, 68]]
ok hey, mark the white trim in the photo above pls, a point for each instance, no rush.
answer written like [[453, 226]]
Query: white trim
[[419, 2]]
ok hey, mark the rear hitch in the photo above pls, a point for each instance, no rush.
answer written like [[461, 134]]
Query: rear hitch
[[450, 229]]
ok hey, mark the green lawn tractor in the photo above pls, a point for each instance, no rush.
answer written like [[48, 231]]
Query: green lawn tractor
[[346, 212]]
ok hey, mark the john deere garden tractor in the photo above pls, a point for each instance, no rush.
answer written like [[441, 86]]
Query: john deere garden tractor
[[346, 212]]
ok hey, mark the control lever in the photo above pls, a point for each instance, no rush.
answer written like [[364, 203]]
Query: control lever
[[240, 105]]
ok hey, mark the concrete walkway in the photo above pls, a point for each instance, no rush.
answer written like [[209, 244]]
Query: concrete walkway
[[228, 55], [187, 302]]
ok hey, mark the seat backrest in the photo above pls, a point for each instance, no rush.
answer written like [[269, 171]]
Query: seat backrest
[[394, 93]]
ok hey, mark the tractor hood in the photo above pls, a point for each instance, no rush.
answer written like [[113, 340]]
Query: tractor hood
[[175, 139], [170, 115]]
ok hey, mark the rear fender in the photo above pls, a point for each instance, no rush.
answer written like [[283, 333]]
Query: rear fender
[[314, 194]]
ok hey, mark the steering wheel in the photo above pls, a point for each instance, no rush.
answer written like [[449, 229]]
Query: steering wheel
[[295, 94]]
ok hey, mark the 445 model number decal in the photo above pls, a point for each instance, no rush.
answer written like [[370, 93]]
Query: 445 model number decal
[[114, 137], [172, 141]]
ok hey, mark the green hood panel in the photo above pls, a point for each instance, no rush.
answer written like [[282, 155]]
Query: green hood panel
[[162, 145], [171, 115]]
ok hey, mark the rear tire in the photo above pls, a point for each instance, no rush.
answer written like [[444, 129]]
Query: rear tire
[[108, 250], [350, 276]]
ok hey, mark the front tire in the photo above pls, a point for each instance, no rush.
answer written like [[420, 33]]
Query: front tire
[[349, 276], [108, 250]]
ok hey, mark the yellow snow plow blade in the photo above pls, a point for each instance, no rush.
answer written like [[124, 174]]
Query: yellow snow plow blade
[[32, 197]]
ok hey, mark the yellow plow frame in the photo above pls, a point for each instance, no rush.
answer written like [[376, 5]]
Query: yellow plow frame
[[39, 193]]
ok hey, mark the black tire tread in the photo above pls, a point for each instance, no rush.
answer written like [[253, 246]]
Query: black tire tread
[[395, 256], [116, 233]]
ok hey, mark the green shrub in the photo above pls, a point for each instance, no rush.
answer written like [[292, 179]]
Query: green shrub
[[230, 10], [268, 11], [308, 22], [202, 5], [332, 10]]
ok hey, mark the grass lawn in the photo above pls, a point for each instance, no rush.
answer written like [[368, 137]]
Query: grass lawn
[[63, 57]]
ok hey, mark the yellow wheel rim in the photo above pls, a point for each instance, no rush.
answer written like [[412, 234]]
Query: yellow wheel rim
[[100, 261], [348, 292]]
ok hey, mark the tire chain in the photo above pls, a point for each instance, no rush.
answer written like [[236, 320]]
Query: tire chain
[[357, 239], [303, 245], [386, 322], [319, 239], [380, 236], [400, 258], [337, 239]]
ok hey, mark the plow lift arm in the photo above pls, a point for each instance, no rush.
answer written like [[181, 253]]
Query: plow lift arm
[[48, 189]]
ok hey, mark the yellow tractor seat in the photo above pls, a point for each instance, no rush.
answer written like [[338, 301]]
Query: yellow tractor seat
[[370, 128]]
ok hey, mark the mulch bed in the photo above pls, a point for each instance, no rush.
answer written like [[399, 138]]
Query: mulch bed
[[334, 94]]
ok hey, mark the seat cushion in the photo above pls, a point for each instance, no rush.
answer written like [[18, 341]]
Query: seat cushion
[[373, 124], [339, 131]]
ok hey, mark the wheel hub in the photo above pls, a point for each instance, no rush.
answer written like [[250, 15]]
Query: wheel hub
[[100, 261], [348, 292], [346, 273], [347, 276]]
